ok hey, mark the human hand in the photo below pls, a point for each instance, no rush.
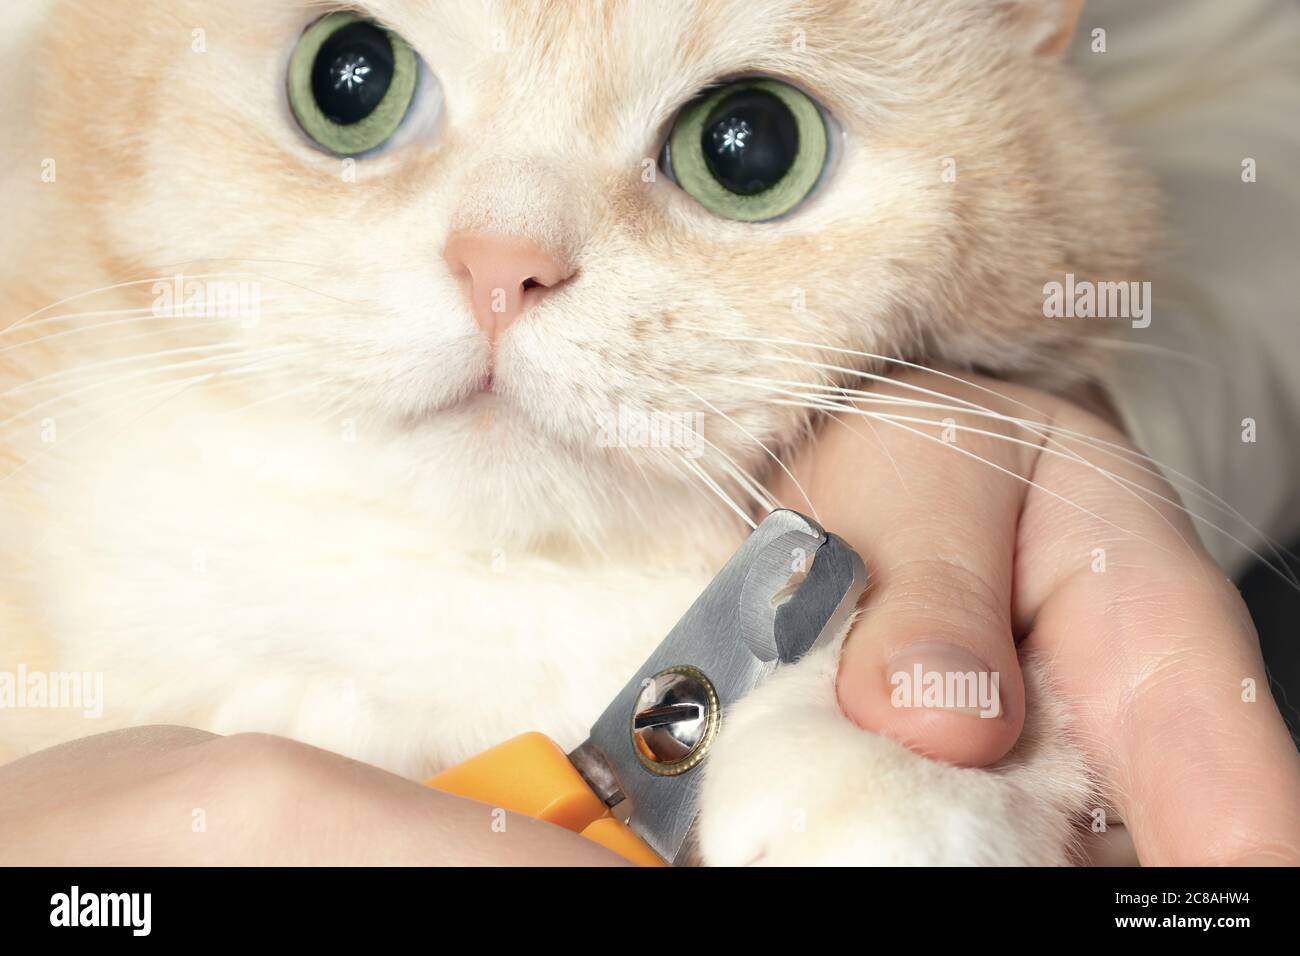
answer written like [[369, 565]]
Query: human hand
[[174, 796], [980, 532]]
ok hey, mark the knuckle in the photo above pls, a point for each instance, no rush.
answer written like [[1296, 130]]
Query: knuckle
[[947, 589], [254, 779]]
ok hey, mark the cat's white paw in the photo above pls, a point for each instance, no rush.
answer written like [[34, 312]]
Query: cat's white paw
[[790, 781]]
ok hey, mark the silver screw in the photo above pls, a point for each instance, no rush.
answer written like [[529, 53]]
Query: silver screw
[[675, 718]]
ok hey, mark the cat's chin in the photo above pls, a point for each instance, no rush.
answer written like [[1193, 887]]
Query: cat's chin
[[491, 429], [485, 468]]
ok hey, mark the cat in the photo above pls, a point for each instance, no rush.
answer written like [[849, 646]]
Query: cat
[[270, 463]]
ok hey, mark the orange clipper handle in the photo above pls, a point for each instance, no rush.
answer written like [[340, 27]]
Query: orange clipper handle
[[530, 774]]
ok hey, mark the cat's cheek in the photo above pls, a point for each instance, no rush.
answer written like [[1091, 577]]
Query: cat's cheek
[[790, 781]]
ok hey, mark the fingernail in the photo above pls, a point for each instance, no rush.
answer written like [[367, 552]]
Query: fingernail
[[938, 676]]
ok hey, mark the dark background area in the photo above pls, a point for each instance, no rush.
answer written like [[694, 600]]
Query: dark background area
[[1275, 605]]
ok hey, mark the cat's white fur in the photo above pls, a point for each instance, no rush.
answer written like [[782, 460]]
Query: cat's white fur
[[410, 572], [861, 799]]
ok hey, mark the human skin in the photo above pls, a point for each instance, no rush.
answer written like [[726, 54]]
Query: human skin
[[977, 542], [168, 796], [973, 543]]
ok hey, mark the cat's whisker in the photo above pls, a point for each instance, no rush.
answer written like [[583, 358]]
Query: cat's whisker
[[330, 267], [630, 500], [97, 422], [644, 474], [1134, 488], [1044, 430], [883, 379], [94, 314], [111, 381], [860, 395], [76, 372], [143, 389], [1131, 487], [1181, 481], [142, 314], [966, 405], [871, 356], [762, 498], [1163, 351], [1058, 436], [884, 447], [132, 283], [824, 405], [100, 343], [238, 346], [717, 489], [108, 410], [771, 454], [743, 478], [808, 426]]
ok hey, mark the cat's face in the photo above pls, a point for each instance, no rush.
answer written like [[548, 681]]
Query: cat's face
[[942, 205]]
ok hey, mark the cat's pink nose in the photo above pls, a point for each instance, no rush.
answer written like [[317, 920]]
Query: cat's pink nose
[[503, 275]]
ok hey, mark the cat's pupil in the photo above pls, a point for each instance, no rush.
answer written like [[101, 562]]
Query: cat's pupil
[[352, 72], [750, 141]]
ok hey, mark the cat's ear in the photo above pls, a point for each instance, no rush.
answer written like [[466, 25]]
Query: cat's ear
[[1044, 26]]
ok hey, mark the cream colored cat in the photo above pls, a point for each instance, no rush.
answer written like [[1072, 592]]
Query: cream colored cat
[[366, 508]]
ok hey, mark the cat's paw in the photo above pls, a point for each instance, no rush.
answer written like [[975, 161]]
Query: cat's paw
[[790, 781]]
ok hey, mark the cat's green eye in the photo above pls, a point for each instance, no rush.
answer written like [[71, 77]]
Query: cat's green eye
[[751, 150], [351, 83]]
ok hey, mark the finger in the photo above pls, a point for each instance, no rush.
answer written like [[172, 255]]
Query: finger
[[1154, 645], [931, 661]]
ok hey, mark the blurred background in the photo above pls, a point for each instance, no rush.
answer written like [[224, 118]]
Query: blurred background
[[1207, 95]]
